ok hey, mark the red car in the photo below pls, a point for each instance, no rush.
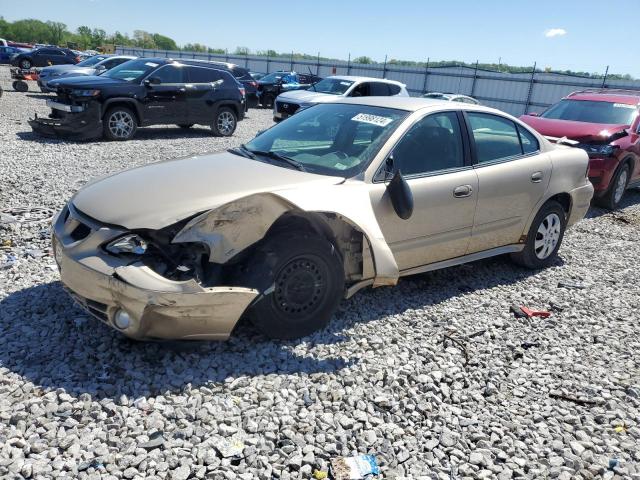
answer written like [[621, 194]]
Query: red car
[[606, 124]]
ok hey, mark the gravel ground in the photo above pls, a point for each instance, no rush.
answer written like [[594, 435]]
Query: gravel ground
[[434, 377]]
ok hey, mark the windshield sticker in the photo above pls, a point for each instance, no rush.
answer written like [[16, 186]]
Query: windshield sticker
[[623, 105], [346, 84], [372, 119], [340, 166], [151, 64]]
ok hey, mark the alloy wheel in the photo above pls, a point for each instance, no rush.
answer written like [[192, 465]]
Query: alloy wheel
[[547, 236], [226, 123], [121, 124], [620, 186]]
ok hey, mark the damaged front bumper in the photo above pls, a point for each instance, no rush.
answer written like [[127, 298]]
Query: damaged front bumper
[[156, 307], [76, 122]]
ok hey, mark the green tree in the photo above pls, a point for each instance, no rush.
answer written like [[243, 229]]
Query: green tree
[[362, 60], [57, 32], [164, 43], [242, 51]]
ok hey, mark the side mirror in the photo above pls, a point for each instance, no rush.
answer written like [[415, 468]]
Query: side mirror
[[533, 114], [100, 68], [401, 196], [152, 81], [217, 83]]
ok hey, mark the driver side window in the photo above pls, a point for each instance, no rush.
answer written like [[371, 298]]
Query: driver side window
[[169, 74], [432, 144]]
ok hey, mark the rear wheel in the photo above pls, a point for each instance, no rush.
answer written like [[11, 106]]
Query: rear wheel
[[300, 278], [20, 86], [119, 123], [25, 64], [616, 190], [544, 237], [225, 122]]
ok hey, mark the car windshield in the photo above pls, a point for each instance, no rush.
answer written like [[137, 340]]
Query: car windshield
[[91, 61], [273, 77], [132, 71], [333, 86], [590, 111], [330, 139]]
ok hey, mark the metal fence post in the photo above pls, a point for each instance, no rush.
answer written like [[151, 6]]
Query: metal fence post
[[268, 60], [318, 66], [246, 60], [426, 76], [291, 69], [384, 68], [349, 65], [533, 74], [226, 52], [604, 80], [475, 77]]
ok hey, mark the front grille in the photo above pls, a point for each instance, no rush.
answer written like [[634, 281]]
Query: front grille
[[288, 108], [80, 232]]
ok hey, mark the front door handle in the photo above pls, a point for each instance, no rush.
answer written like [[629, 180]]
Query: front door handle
[[536, 177], [462, 191]]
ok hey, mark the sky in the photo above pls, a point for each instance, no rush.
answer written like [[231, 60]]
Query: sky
[[584, 35]]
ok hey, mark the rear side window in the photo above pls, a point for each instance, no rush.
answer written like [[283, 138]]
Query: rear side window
[[169, 74], [48, 51], [529, 142], [202, 75], [394, 89], [379, 89], [496, 138]]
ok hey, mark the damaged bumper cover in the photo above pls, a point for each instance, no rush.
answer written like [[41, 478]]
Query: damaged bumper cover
[[69, 121]]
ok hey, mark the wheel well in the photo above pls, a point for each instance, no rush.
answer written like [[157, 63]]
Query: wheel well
[[344, 236], [232, 106], [631, 163], [563, 199], [121, 103]]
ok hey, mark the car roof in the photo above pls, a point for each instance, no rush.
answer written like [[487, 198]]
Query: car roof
[[611, 95], [413, 104], [353, 78]]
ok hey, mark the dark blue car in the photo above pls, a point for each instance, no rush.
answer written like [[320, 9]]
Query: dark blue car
[[7, 52]]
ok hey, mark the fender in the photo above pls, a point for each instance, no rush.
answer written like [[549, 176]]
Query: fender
[[234, 226], [129, 101], [227, 103]]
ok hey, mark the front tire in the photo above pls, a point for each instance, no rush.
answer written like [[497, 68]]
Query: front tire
[[225, 122], [25, 64], [20, 86], [611, 199], [544, 237], [119, 123], [300, 278]]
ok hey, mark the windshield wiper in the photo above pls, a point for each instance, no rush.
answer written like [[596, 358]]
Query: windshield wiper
[[243, 151], [276, 156]]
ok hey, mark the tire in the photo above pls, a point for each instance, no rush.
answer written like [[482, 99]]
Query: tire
[[119, 123], [186, 126], [20, 86], [611, 199], [25, 64], [541, 249], [225, 122], [300, 278], [267, 101], [1, 92]]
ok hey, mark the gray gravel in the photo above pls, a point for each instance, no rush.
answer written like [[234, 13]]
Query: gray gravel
[[552, 398]]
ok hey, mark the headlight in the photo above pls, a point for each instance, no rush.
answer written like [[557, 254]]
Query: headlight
[[130, 243], [598, 150], [85, 93]]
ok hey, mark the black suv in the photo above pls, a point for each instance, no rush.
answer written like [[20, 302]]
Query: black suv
[[142, 92], [273, 84], [45, 56]]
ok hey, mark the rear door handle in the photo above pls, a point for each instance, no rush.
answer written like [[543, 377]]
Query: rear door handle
[[536, 177], [462, 191]]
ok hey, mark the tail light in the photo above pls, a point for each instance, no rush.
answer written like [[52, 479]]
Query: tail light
[[254, 84], [78, 59], [242, 92]]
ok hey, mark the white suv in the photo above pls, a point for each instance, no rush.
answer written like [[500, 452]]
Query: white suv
[[329, 88]]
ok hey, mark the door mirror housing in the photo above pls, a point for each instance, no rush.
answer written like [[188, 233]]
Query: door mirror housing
[[101, 68], [401, 196], [533, 114], [152, 81]]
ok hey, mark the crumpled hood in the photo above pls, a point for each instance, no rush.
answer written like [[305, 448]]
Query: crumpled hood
[[579, 131], [163, 193], [306, 96]]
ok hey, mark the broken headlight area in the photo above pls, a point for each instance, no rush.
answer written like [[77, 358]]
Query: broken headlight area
[[598, 150], [131, 243]]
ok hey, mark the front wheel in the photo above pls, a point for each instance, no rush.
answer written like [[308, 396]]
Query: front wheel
[[120, 124], [544, 237], [300, 278], [20, 86], [25, 64], [611, 199], [225, 123]]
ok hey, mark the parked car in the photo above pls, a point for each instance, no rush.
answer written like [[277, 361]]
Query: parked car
[[3, 42], [6, 53], [257, 75], [95, 65], [451, 97], [281, 229], [43, 57], [142, 92], [328, 89], [606, 124], [241, 74], [273, 84]]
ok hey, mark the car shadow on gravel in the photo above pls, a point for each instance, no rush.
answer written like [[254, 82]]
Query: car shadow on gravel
[[630, 198], [39, 96], [52, 343]]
